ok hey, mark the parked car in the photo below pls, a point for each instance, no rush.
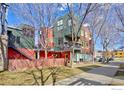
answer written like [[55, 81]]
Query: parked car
[[105, 59], [101, 60], [97, 58], [111, 59]]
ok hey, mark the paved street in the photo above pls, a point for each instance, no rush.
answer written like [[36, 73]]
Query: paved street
[[97, 76]]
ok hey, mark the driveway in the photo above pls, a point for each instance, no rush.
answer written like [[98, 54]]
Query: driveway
[[97, 76]]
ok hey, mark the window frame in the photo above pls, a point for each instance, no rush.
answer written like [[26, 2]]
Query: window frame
[[69, 22], [60, 22], [18, 39]]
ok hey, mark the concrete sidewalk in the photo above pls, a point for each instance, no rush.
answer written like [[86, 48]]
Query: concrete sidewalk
[[97, 76]]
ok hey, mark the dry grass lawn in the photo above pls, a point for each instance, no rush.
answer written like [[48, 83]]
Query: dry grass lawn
[[25, 78], [122, 66], [120, 73]]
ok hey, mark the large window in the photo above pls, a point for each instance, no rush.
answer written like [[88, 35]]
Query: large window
[[82, 32], [59, 27], [120, 53], [86, 34], [85, 44], [69, 22], [18, 39], [60, 22], [60, 41]]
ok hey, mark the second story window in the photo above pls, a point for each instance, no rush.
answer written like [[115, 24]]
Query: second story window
[[18, 40], [69, 22], [120, 53], [116, 53], [60, 41], [87, 35], [82, 32], [60, 25], [59, 28], [60, 22]]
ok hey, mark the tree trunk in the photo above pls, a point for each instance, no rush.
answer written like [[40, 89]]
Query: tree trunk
[[54, 77], [45, 53], [72, 59], [3, 49], [107, 56], [93, 57]]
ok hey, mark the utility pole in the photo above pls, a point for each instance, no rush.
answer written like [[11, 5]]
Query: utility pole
[[3, 37]]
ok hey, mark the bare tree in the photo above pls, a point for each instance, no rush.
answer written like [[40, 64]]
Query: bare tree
[[84, 16], [41, 17], [75, 28], [3, 36], [120, 21], [120, 15], [97, 19], [108, 40]]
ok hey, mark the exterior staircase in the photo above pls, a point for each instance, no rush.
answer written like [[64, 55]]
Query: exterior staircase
[[25, 52]]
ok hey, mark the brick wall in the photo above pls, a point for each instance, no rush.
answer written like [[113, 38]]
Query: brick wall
[[20, 65]]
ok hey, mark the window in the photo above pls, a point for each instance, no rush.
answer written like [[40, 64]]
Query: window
[[18, 39], [12, 38], [82, 44], [86, 44], [82, 32], [60, 22], [59, 28], [69, 22], [60, 41], [40, 32], [120, 53], [60, 25], [86, 34]]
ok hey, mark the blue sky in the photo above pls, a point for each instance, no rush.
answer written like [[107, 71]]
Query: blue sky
[[12, 18], [14, 21]]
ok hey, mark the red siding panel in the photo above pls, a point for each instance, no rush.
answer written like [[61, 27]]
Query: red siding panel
[[51, 54], [13, 54]]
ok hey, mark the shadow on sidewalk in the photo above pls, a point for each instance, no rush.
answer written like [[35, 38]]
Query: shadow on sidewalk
[[106, 71], [82, 81]]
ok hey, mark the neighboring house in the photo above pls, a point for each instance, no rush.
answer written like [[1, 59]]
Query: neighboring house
[[63, 33], [86, 38], [98, 54], [20, 46], [85, 41], [63, 38], [46, 39], [111, 54], [27, 30], [108, 54], [118, 54], [115, 54]]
